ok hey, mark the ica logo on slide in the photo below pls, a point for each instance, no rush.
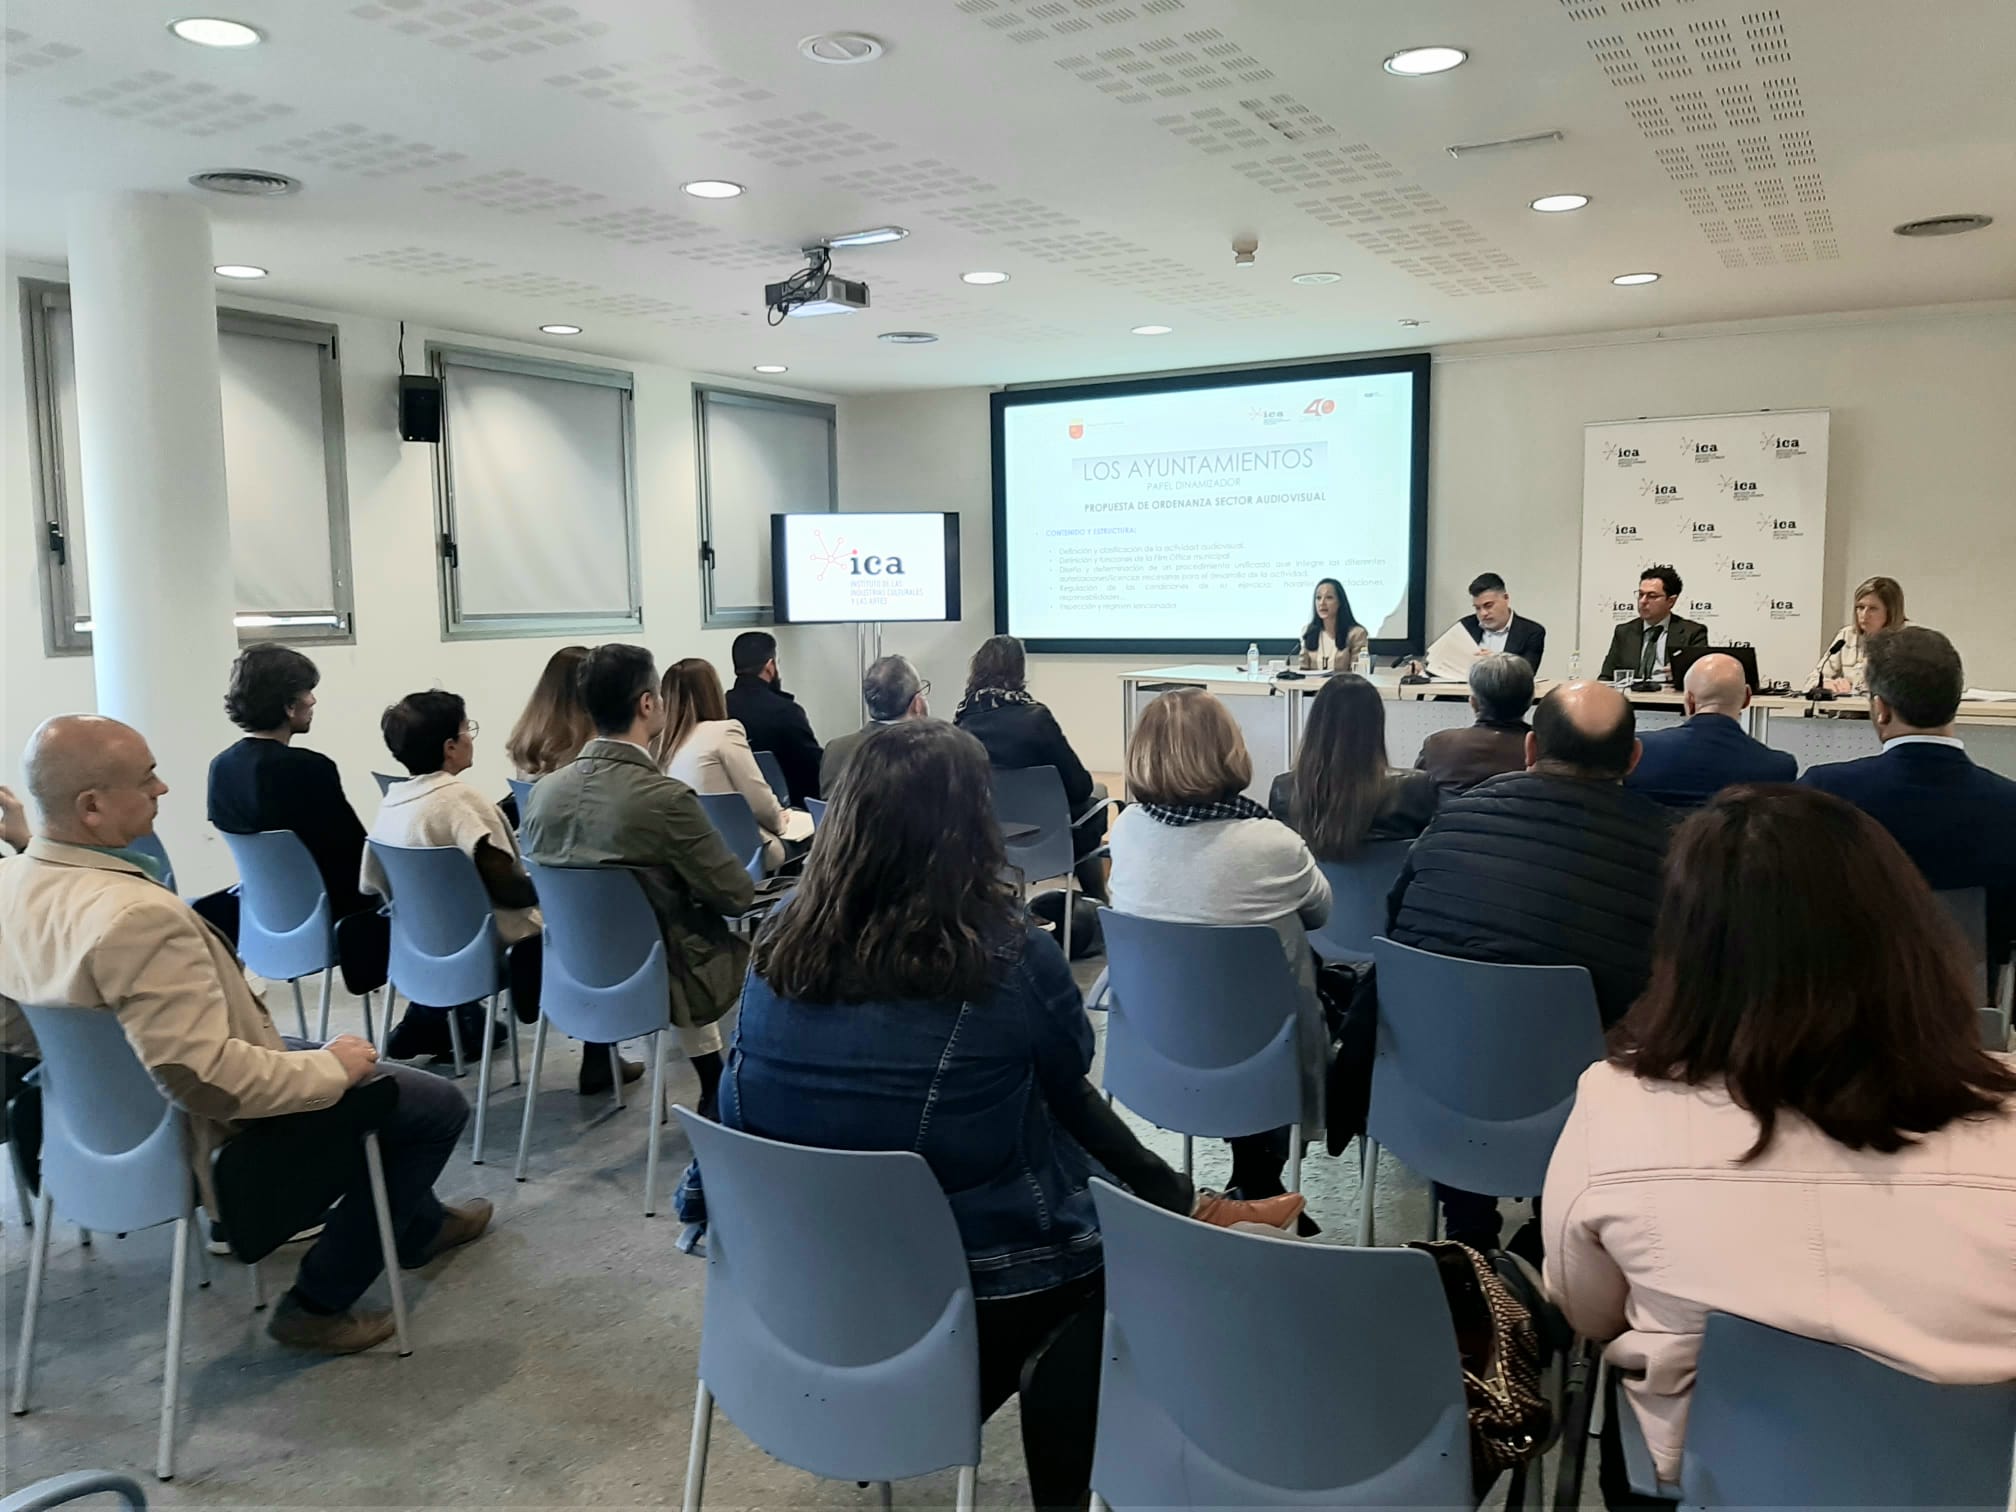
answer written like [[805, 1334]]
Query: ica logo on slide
[[825, 557]]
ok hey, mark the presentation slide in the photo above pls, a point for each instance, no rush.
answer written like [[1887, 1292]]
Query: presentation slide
[[841, 568], [1198, 513]]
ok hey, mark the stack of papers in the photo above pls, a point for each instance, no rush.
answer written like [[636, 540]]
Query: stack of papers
[[1452, 655], [1989, 695]]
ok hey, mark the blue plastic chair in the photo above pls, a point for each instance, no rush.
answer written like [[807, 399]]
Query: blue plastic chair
[[286, 929], [385, 781], [773, 773], [864, 1366], [1025, 796], [116, 1158], [1199, 1406], [1203, 1029], [1968, 908], [522, 791], [816, 807], [1476, 1070], [734, 822], [150, 845], [58, 1489], [1358, 890], [446, 951], [603, 979]]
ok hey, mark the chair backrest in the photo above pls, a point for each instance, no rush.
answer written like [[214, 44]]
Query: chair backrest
[[115, 1152], [1035, 795], [603, 975], [863, 1364], [1778, 1420], [1197, 1409], [150, 845], [1968, 908], [816, 807], [1358, 889], [1477, 1065], [285, 927], [1201, 1029], [522, 791], [58, 1489], [773, 773], [730, 815], [385, 781], [445, 948]]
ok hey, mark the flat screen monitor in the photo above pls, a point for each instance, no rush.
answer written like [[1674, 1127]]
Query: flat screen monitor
[[828, 569]]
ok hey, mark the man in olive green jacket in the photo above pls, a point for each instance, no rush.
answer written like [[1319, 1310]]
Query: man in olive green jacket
[[611, 806]]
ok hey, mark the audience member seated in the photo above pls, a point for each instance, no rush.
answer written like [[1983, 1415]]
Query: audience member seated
[[1685, 766], [266, 782], [1554, 866], [431, 735], [1953, 817], [771, 717], [1501, 691], [893, 692], [611, 806], [84, 924], [1341, 794], [1797, 1124], [1193, 849], [705, 749], [1019, 732], [899, 1001], [555, 724]]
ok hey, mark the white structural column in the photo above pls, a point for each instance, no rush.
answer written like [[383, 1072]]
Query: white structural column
[[151, 432]]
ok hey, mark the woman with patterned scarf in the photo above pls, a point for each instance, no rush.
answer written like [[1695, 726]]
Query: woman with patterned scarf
[[1193, 849]]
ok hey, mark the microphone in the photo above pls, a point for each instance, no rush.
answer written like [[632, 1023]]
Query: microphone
[[1820, 692], [1839, 642]]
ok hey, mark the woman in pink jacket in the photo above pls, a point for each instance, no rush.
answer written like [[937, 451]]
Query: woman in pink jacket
[[1797, 1123]]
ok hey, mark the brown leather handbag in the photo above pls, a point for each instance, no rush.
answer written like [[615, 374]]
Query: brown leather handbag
[[1510, 1419]]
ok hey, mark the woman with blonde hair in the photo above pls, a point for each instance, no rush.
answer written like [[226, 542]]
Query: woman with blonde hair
[[709, 752], [1879, 605], [1192, 848], [555, 724]]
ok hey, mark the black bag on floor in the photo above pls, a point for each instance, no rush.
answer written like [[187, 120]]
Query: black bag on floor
[[278, 1176], [1350, 997], [1086, 937]]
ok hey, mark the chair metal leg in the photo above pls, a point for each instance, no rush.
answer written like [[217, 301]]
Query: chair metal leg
[[171, 1375], [1295, 1157], [510, 1022], [616, 1073], [201, 1250], [1097, 1504], [531, 1095], [969, 1476], [322, 1021], [483, 1059], [1186, 1158], [696, 1456], [1068, 911], [387, 1246], [300, 1008], [22, 1195], [372, 1034], [1368, 1181], [38, 1262], [455, 1041], [84, 1238], [657, 1121], [258, 1289], [886, 1494]]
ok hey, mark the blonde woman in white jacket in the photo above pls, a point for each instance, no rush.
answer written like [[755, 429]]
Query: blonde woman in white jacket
[[709, 752]]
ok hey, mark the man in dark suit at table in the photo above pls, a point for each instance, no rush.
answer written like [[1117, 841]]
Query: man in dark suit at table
[[1687, 765], [1496, 628], [1644, 646]]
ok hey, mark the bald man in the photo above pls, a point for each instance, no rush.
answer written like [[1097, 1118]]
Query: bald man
[[1686, 766], [1557, 865], [84, 922]]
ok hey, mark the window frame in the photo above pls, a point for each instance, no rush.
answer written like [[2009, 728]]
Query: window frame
[[61, 634], [455, 625], [745, 616]]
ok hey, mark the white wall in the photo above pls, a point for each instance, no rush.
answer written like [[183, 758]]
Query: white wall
[[399, 646], [1922, 481]]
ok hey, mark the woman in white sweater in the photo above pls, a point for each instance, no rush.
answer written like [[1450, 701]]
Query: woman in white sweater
[[709, 752], [1193, 849]]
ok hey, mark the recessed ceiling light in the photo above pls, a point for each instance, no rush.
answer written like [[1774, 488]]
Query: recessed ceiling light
[[1630, 280], [712, 189], [1317, 278], [561, 330], [238, 270], [841, 49], [1555, 204], [1416, 62], [983, 277], [770, 367], [1944, 225], [215, 31], [874, 236], [908, 338], [1153, 330]]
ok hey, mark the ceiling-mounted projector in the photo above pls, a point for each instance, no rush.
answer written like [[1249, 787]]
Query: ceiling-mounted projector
[[815, 290]]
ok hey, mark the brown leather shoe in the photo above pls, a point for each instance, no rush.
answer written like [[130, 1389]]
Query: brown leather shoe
[[465, 1221], [331, 1333], [1220, 1211]]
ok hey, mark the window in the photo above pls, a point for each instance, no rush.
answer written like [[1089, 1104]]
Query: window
[[759, 456], [282, 398], [536, 497]]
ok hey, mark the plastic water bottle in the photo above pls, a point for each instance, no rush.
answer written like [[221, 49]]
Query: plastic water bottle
[[1575, 666], [1252, 658]]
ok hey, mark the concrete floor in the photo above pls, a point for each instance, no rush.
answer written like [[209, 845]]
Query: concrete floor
[[553, 1365]]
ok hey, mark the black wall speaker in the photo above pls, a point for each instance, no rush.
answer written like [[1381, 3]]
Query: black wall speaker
[[419, 409]]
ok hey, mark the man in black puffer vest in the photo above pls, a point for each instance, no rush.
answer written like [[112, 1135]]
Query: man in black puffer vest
[[1557, 865]]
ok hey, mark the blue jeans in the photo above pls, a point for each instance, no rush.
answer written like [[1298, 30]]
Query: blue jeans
[[415, 1145]]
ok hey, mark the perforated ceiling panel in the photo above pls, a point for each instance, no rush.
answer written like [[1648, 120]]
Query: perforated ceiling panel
[[154, 98], [661, 87], [1042, 20], [1067, 247], [908, 183], [517, 193], [1373, 206], [492, 31], [742, 254], [798, 141], [1450, 255], [423, 261], [355, 148], [1167, 67], [543, 286], [25, 54], [1003, 217], [639, 226]]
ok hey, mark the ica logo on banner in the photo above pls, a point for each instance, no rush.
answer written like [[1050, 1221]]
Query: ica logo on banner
[[1659, 493], [1700, 451], [1623, 456], [1775, 445], [1740, 488], [1702, 530], [1738, 568]]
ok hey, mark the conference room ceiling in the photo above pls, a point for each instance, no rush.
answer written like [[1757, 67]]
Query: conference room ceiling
[[496, 165]]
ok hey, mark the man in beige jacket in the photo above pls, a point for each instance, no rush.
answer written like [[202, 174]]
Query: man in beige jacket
[[84, 923]]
